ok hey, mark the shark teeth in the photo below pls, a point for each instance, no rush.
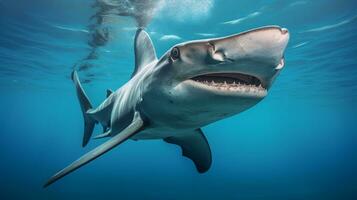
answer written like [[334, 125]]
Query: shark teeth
[[233, 83], [234, 87]]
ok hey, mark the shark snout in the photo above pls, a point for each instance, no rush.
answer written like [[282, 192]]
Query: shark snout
[[265, 44]]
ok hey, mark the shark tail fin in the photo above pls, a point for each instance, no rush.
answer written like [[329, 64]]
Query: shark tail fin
[[86, 105]]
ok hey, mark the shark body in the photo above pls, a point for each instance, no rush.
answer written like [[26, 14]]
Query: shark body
[[191, 85]]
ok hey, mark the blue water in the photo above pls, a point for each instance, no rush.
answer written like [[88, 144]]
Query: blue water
[[298, 143]]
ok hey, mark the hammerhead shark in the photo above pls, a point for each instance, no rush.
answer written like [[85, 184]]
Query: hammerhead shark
[[192, 85]]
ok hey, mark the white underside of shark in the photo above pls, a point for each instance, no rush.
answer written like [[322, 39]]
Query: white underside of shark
[[192, 85]]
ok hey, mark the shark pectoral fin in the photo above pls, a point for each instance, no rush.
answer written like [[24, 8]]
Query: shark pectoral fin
[[136, 126], [109, 92], [144, 50], [195, 147]]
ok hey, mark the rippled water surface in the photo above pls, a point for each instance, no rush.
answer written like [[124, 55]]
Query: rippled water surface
[[298, 143]]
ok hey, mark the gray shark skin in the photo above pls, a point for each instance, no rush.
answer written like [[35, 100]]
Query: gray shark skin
[[193, 84]]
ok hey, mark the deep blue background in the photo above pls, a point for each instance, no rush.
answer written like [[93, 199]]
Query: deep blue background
[[299, 143]]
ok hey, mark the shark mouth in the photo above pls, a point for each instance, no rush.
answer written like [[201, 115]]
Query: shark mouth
[[231, 82]]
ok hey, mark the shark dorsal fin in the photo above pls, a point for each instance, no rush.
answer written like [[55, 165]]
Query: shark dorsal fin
[[144, 50]]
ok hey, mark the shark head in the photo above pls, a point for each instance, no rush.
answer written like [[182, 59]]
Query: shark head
[[215, 78], [244, 64]]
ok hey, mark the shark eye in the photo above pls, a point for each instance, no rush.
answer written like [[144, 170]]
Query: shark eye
[[175, 53]]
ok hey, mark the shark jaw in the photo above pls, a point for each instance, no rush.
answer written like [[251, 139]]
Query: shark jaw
[[232, 83], [236, 84]]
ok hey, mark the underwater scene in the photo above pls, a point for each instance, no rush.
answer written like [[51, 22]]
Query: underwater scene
[[221, 99]]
